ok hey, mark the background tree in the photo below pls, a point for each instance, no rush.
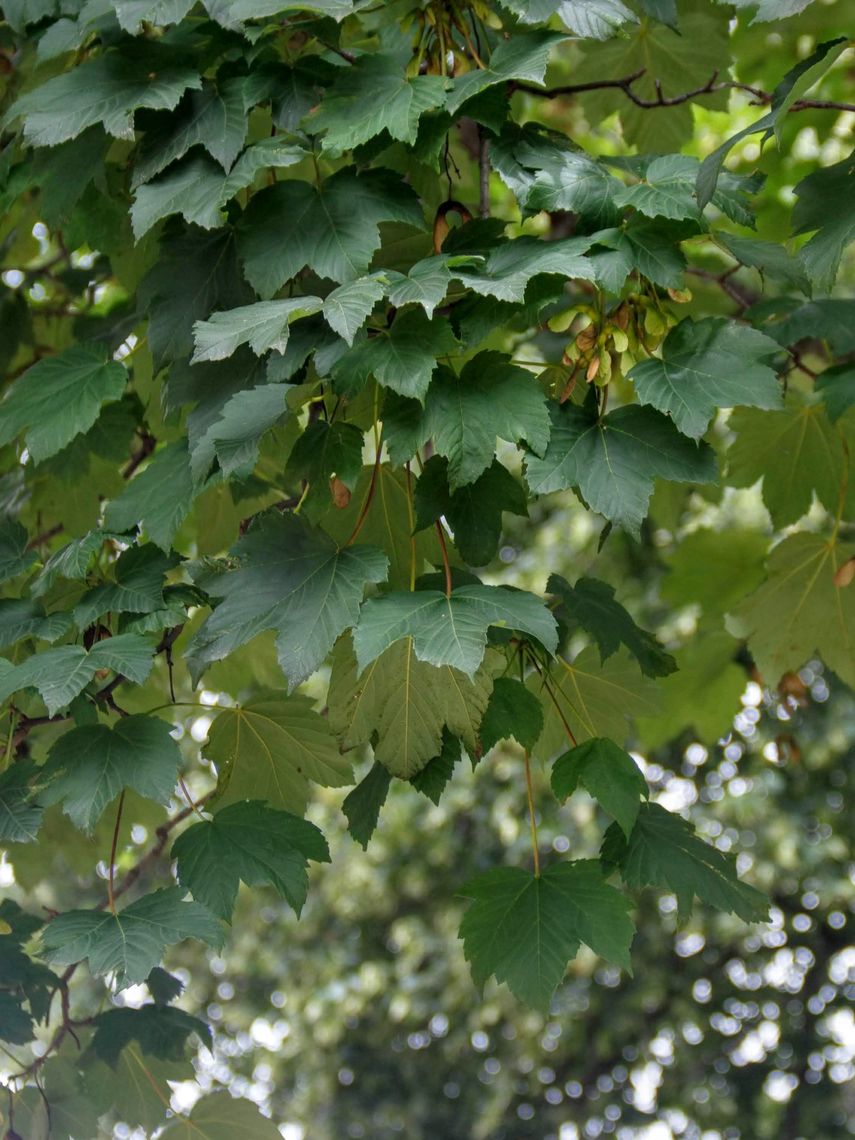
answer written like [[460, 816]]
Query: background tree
[[377, 379]]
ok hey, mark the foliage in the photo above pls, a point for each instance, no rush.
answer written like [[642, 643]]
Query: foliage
[[306, 313]]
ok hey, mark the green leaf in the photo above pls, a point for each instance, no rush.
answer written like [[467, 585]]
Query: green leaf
[[160, 1030], [511, 266], [703, 695], [426, 283], [63, 1107], [796, 452], [252, 843], [61, 674], [433, 779], [401, 705], [196, 273], [514, 712], [474, 512], [60, 397], [715, 569], [71, 562], [588, 19], [402, 357], [16, 1025], [131, 943], [592, 605], [87, 767], [362, 806], [371, 96], [346, 308], [595, 699], [105, 90], [523, 56], [388, 523], [213, 117], [524, 930], [608, 773], [263, 326], [144, 1081], [795, 83], [678, 62], [163, 986], [138, 587], [269, 749], [464, 414], [663, 851], [332, 229], [158, 498], [825, 208], [221, 1116], [131, 14], [449, 630], [20, 814], [837, 388], [546, 173], [20, 618], [667, 190], [800, 610], [236, 435], [789, 320], [291, 578], [708, 364], [613, 460], [15, 558], [770, 258]]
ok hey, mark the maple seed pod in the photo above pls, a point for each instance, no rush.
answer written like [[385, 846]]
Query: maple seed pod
[[340, 493], [593, 369]]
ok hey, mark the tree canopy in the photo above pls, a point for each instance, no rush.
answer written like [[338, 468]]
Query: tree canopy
[[398, 397]]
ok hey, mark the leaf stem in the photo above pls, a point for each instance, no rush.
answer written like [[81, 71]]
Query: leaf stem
[[570, 734], [531, 814], [372, 487], [446, 566], [412, 527], [111, 900]]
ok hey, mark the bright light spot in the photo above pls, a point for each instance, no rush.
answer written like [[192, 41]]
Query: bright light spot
[[206, 697], [780, 1086], [199, 728]]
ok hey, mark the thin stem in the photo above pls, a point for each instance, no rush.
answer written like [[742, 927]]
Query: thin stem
[[531, 815], [182, 784], [484, 173], [372, 487], [545, 681], [412, 527], [446, 566], [111, 898]]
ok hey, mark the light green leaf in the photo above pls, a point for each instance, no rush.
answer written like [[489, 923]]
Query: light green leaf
[[252, 843], [589, 19], [509, 268], [610, 775], [237, 434], [138, 587], [332, 229], [60, 397], [221, 1116], [346, 308], [406, 702], [88, 767], [131, 943], [60, 674], [613, 461], [450, 630], [263, 326], [825, 208], [663, 851], [524, 930], [15, 558], [796, 452], [715, 569], [800, 610], [708, 364], [270, 748], [131, 14]]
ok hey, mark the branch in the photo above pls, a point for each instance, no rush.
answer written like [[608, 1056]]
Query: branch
[[709, 88]]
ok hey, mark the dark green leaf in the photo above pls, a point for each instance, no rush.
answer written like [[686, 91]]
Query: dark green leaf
[[433, 778], [159, 1030], [362, 805], [663, 851], [524, 929], [402, 357], [252, 843], [158, 498], [514, 713], [20, 814], [608, 773]]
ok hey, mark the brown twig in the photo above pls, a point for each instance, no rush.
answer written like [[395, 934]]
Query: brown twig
[[711, 87]]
